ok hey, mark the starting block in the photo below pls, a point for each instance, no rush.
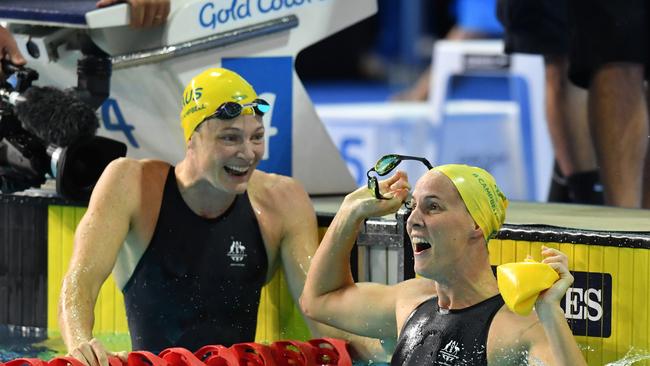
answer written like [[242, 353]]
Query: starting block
[[485, 109], [476, 84]]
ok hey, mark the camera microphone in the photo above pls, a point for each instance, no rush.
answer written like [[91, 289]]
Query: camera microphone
[[49, 131], [56, 117]]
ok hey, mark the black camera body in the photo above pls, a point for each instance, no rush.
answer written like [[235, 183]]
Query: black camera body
[[48, 132]]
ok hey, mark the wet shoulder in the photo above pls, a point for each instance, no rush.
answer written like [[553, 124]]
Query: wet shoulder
[[129, 170], [416, 289], [410, 294], [120, 178], [154, 171], [131, 179], [277, 192]]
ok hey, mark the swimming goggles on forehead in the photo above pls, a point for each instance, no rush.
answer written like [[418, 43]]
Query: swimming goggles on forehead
[[230, 110], [385, 165]]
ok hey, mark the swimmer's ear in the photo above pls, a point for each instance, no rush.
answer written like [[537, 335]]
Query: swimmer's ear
[[476, 231]]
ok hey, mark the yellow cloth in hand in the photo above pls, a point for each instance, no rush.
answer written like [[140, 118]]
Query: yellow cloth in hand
[[520, 283]]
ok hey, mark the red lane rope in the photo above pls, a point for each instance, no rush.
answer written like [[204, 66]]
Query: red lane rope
[[315, 352]]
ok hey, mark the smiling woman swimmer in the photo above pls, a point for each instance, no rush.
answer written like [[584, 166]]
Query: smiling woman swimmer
[[191, 245], [454, 314]]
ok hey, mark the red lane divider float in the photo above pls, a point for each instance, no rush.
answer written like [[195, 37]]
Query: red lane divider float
[[71, 361], [253, 354], [217, 356], [177, 356], [145, 358], [26, 362], [294, 353], [331, 351], [316, 352]]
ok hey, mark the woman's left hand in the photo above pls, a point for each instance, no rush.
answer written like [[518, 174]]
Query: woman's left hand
[[560, 264]]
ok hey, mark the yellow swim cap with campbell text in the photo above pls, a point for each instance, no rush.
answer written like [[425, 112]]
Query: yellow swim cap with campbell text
[[483, 198], [208, 91]]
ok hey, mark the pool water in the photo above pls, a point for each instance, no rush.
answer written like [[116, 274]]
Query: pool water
[[13, 346], [633, 357], [45, 349], [17, 349]]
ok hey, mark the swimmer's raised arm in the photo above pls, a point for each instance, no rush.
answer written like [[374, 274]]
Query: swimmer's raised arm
[[544, 333], [330, 295], [557, 346], [98, 240], [299, 234], [298, 242]]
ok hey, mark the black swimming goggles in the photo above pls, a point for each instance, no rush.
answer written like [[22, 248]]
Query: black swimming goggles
[[385, 165], [230, 110]]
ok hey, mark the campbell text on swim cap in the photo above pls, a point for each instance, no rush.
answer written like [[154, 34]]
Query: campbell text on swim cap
[[483, 198], [209, 90]]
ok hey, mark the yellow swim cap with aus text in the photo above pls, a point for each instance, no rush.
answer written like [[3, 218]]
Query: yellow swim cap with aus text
[[483, 198], [207, 91]]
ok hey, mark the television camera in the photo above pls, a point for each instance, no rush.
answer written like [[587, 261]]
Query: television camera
[[48, 132]]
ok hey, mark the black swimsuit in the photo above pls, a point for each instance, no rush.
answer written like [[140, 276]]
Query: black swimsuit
[[453, 337], [199, 280]]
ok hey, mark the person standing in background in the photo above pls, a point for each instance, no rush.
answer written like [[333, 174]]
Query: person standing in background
[[475, 19], [609, 55], [540, 27]]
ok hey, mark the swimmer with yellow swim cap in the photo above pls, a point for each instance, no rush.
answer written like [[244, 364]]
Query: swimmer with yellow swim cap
[[191, 245], [454, 314]]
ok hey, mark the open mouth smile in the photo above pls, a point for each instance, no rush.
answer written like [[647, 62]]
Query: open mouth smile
[[236, 170], [420, 245]]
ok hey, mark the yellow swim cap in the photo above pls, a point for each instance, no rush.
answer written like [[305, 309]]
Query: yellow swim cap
[[209, 90], [520, 283], [483, 199]]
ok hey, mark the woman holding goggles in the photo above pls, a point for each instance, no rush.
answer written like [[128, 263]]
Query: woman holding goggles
[[453, 314], [190, 245]]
